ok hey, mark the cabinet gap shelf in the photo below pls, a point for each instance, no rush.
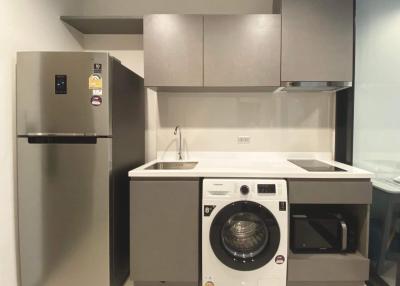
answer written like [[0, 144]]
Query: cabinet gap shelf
[[105, 25]]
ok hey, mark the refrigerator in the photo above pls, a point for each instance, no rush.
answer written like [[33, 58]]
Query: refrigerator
[[80, 129]]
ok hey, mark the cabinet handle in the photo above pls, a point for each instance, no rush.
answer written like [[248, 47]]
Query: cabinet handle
[[344, 235]]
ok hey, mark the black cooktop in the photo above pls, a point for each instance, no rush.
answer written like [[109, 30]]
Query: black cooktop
[[316, 166]]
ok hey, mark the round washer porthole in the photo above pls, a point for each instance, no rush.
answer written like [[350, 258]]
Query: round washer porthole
[[244, 235]]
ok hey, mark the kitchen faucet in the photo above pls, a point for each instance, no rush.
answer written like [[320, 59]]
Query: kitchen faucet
[[178, 128]]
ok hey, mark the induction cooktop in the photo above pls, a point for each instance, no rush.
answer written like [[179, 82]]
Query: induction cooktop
[[315, 166]]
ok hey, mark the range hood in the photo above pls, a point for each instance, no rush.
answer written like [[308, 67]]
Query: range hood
[[314, 86]]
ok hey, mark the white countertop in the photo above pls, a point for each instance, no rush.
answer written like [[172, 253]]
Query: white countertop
[[385, 170], [386, 185], [241, 167]]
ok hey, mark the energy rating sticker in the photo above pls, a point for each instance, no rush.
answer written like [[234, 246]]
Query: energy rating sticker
[[95, 81]]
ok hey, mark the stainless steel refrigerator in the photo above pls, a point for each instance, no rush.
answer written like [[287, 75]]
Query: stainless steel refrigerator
[[80, 128]]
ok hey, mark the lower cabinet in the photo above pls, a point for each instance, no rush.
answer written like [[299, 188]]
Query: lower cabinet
[[165, 232], [351, 197]]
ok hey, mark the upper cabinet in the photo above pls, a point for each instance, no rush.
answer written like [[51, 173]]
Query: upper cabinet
[[212, 51], [173, 50], [310, 43], [317, 40], [242, 50]]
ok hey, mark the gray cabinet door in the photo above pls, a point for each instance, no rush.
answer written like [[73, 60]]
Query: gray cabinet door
[[242, 50], [173, 50], [165, 231], [317, 40], [317, 191]]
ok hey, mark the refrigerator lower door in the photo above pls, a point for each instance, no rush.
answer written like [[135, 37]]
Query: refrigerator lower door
[[63, 211]]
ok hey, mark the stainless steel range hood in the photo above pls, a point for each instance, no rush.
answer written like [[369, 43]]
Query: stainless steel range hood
[[314, 86]]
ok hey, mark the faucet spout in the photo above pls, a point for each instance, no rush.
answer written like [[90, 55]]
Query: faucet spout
[[178, 129]]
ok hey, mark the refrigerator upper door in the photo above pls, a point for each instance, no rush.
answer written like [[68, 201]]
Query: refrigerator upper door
[[63, 92], [63, 211]]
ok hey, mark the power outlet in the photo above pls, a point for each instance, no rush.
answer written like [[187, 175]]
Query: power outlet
[[243, 139]]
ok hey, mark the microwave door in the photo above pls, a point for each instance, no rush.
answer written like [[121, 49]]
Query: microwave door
[[328, 231], [306, 239]]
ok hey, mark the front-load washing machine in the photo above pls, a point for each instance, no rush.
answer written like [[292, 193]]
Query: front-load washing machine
[[244, 232]]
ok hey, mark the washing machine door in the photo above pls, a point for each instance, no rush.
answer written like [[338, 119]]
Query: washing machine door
[[244, 235]]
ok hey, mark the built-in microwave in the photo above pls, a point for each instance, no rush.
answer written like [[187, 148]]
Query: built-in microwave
[[318, 232]]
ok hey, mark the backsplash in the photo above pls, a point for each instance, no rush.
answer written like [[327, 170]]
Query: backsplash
[[212, 122], [270, 122]]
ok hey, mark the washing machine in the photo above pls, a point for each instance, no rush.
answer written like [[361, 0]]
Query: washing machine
[[244, 232]]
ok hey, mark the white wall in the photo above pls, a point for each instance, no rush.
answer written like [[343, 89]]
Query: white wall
[[129, 50], [213, 121], [24, 25], [377, 87], [281, 122]]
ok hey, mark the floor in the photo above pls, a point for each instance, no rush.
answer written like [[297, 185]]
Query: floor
[[129, 283], [387, 279], [390, 275]]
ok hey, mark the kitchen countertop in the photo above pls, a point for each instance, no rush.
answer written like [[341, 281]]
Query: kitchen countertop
[[250, 168], [385, 170], [386, 185]]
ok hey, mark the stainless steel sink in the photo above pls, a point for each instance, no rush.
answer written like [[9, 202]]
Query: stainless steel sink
[[172, 166]]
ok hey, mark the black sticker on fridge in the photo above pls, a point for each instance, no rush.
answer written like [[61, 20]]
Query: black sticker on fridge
[[97, 68]]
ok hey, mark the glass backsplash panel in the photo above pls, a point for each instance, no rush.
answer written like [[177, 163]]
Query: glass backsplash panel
[[377, 87]]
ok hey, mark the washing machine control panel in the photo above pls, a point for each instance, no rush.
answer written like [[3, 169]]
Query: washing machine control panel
[[245, 189], [266, 188]]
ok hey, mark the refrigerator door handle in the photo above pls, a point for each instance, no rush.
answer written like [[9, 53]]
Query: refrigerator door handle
[[40, 134], [61, 139]]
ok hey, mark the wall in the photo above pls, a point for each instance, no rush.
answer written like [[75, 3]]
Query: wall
[[210, 122], [377, 87], [213, 121], [140, 7], [24, 25], [129, 50], [280, 122]]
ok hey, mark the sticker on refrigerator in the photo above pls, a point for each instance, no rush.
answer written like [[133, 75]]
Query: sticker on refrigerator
[[97, 92], [96, 100], [95, 81], [97, 68], [280, 259]]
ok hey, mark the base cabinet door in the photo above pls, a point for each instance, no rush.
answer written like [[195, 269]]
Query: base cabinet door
[[165, 232]]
